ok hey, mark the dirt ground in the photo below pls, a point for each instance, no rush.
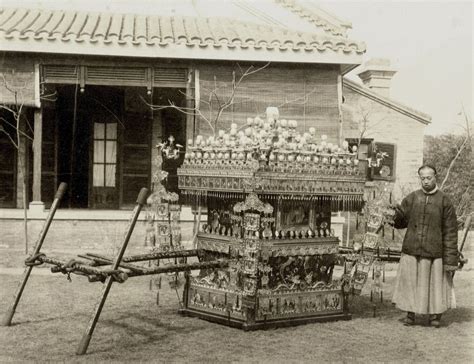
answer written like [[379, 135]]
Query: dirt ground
[[53, 315]]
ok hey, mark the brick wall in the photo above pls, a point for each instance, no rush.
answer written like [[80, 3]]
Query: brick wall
[[306, 94], [388, 126]]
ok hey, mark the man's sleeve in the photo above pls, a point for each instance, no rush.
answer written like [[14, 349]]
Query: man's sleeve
[[450, 234], [402, 213]]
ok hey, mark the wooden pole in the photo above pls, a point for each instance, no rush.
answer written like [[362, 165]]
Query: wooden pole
[[86, 338], [37, 151], [7, 319], [348, 228], [467, 226]]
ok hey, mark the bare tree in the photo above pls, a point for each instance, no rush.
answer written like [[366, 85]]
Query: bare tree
[[460, 149], [452, 155], [216, 103], [15, 110], [366, 122]]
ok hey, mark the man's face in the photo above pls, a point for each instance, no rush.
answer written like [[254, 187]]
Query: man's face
[[428, 179]]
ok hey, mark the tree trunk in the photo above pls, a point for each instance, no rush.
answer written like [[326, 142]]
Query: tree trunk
[[23, 174]]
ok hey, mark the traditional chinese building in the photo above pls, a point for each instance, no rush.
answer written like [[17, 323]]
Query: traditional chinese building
[[95, 89]]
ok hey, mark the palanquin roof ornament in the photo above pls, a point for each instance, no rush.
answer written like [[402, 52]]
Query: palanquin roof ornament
[[252, 202]]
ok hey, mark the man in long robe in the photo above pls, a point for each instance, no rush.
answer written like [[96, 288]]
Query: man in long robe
[[430, 254]]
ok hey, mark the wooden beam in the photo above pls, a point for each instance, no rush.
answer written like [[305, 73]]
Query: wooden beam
[[37, 152]]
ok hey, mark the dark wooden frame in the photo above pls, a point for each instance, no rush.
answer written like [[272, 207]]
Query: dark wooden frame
[[15, 176], [91, 165], [121, 144]]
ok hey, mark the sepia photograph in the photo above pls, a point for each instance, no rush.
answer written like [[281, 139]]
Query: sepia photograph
[[236, 181]]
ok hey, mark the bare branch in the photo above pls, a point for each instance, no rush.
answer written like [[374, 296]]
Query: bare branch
[[460, 149], [214, 97], [4, 107], [465, 201], [9, 137], [301, 100], [109, 111], [184, 110], [453, 161], [251, 71], [13, 126], [28, 124], [52, 97], [17, 88], [235, 85]]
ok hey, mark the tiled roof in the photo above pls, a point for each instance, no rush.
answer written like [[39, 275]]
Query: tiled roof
[[128, 30]]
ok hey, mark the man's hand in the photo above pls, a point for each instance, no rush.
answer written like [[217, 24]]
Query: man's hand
[[389, 214], [450, 268], [462, 261]]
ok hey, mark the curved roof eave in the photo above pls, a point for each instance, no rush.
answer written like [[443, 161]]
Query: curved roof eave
[[183, 51]]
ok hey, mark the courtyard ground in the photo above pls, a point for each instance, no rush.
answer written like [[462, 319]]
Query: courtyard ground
[[53, 315]]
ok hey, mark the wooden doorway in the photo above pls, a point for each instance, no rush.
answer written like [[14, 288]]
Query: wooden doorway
[[105, 118], [87, 145]]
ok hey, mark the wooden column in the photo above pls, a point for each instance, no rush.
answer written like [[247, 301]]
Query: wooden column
[[197, 101], [37, 152], [339, 107], [190, 117]]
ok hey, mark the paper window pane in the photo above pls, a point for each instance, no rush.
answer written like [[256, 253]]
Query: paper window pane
[[363, 151], [111, 152], [110, 175], [99, 131], [112, 131], [99, 151], [98, 175]]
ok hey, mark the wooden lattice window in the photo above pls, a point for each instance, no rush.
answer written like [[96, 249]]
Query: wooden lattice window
[[105, 155]]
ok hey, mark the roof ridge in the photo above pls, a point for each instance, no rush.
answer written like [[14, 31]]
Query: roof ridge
[[388, 101], [99, 13], [342, 22], [314, 18], [268, 19]]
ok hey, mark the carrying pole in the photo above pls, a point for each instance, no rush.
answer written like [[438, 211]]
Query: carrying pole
[[467, 227], [86, 338], [7, 319]]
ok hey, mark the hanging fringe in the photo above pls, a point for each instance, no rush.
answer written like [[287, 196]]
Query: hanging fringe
[[336, 202]]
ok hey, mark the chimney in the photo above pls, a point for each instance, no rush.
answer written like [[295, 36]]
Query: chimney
[[377, 75]]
